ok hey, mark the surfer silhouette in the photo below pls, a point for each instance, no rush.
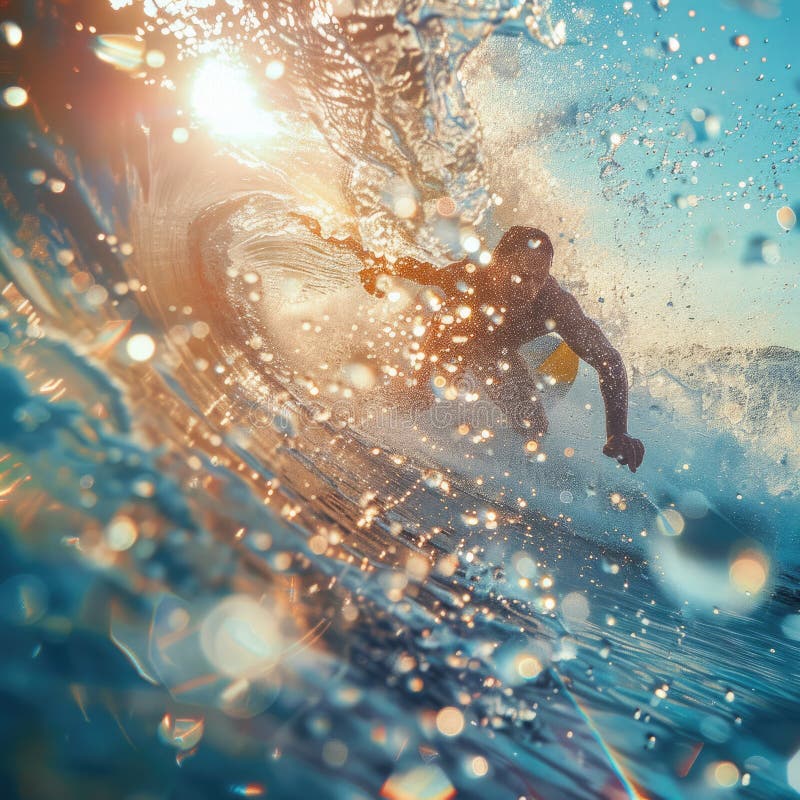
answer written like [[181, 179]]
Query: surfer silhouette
[[485, 314]]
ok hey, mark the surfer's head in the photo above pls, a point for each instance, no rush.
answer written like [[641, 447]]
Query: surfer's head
[[527, 254]]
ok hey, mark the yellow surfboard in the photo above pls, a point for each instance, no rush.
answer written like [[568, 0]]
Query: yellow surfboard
[[555, 366]]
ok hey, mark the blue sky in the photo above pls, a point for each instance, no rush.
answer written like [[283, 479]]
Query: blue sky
[[701, 253]]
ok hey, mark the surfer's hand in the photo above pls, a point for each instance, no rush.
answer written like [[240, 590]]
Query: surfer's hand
[[625, 449], [369, 280]]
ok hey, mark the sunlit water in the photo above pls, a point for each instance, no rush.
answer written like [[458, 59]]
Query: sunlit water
[[236, 561]]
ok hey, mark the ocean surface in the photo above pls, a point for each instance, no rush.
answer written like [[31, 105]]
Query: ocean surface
[[236, 560]]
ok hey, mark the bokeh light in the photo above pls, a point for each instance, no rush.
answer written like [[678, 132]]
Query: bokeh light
[[450, 721], [15, 96], [749, 571], [270, 521], [141, 347]]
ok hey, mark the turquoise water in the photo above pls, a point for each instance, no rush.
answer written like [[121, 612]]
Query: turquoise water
[[236, 562]]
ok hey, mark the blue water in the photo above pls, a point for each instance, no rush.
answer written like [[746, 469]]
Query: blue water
[[235, 563]]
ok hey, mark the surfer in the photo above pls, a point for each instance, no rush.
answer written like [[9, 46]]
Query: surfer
[[485, 314]]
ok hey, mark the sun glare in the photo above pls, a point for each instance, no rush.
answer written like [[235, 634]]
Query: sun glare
[[226, 102]]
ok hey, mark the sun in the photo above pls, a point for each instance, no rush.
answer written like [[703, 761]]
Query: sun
[[226, 102]]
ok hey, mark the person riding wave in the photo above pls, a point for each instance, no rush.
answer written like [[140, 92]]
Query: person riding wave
[[486, 314]]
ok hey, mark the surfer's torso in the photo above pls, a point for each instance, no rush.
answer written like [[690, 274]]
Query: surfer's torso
[[476, 310]]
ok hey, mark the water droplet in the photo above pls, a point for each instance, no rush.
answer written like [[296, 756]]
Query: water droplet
[[479, 766], [528, 666], [359, 375], [575, 607], [141, 347], [121, 533], [693, 504], [724, 774], [771, 252], [155, 59], [670, 522], [334, 753], [450, 721], [791, 627], [275, 70], [182, 733], [749, 571], [239, 636], [12, 33], [787, 219], [471, 243], [15, 96], [445, 206]]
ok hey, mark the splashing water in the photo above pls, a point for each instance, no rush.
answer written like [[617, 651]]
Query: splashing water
[[380, 81], [231, 542]]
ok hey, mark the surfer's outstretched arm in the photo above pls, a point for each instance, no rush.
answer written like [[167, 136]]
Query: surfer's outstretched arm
[[411, 269], [589, 343]]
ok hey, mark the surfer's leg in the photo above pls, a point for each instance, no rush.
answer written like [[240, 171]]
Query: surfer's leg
[[412, 389], [418, 382], [513, 391]]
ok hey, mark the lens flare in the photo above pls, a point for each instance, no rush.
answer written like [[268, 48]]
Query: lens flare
[[226, 102]]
